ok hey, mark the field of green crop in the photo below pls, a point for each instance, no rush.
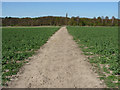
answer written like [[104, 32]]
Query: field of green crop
[[18, 44], [100, 45]]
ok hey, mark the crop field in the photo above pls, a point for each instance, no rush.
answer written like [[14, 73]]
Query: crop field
[[100, 45], [18, 44]]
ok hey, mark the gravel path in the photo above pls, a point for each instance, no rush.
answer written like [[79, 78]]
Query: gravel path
[[58, 64]]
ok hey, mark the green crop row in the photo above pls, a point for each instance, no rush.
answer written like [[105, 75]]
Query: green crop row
[[20, 43], [100, 44]]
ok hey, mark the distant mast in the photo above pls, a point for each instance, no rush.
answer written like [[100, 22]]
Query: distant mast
[[66, 18], [66, 15]]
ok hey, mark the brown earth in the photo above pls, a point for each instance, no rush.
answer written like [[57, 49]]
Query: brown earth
[[58, 64]]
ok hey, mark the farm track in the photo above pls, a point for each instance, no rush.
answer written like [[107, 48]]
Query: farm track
[[58, 64]]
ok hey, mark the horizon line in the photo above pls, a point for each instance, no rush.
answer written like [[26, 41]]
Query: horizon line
[[51, 16]]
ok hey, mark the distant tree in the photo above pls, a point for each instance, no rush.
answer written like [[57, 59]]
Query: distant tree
[[113, 18], [102, 19], [106, 19], [83, 23], [51, 20], [77, 18]]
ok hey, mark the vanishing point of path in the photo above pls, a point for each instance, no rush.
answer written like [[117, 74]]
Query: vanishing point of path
[[58, 64]]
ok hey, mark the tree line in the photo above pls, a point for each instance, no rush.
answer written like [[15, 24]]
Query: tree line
[[59, 21]]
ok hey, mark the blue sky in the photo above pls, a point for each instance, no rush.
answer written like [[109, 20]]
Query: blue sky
[[81, 9], [60, 0]]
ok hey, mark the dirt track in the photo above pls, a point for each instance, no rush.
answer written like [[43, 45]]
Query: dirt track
[[58, 64]]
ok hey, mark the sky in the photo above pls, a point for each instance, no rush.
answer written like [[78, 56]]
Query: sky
[[38, 9], [60, 0]]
